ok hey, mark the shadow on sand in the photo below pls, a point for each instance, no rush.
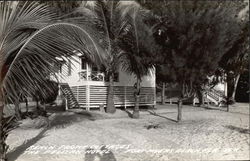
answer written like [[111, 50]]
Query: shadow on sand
[[58, 120], [104, 155], [223, 109], [239, 129], [64, 119], [155, 114], [130, 114], [14, 154]]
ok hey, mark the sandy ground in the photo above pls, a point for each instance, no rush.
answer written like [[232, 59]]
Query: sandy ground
[[204, 134]]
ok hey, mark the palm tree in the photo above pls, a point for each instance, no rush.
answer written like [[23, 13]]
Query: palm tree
[[31, 39], [109, 17], [138, 48]]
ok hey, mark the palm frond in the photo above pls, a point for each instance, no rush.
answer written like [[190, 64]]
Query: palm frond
[[137, 43], [18, 22], [111, 20], [27, 65]]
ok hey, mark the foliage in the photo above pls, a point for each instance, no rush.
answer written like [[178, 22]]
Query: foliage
[[195, 35], [31, 40], [51, 90], [62, 7], [138, 47], [242, 92], [8, 124], [30, 47], [112, 21], [166, 11]]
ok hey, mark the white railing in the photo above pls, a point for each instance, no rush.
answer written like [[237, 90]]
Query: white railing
[[96, 76], [91, 76], [83, 75]]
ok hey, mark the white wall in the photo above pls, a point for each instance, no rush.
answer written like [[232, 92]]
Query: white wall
[[125, 79]]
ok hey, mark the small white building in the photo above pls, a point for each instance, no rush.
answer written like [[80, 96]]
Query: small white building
[[84, 86]]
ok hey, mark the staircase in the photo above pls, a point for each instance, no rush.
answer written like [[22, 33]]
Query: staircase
[[68, 94], [215, 96]]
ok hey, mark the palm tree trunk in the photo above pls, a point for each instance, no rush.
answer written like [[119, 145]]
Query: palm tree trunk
[[37, 104], [235, 86], [26, 105], [137, 100], [110, 103], [17, 110], [179, 115], [163, 94], [2, 141]]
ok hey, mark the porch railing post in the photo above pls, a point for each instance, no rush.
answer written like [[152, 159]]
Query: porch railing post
[[88, 96]]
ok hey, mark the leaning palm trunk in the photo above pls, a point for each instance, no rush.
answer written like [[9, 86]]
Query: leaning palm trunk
[[2, 153], [137, 100], [6, 125], [110, 101], [2, 139]]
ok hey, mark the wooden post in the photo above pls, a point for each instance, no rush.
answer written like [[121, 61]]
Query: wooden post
[[87, 72], [155, 96], [77, 94], [194, 102], [125, 97], [87, 87], [66, 104], [59, 91], [163, 94], [88, 97], [225, 85]]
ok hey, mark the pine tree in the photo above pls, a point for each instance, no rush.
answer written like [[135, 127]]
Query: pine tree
[[194, 36]]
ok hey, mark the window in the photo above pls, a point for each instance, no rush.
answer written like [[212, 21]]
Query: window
[[94, 68], [83, 63]]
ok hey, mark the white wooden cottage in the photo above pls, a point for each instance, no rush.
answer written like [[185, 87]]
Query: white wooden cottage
[[84, 86]]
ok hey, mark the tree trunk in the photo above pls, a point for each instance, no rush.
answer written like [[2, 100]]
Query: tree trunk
[[179, 116], [200, 96], [235, 86], [26, 105], [136, 113], [227, 103], [17, 110], [163, 94], [110, 102], [137, 100], [2, 140], [37, 104]]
